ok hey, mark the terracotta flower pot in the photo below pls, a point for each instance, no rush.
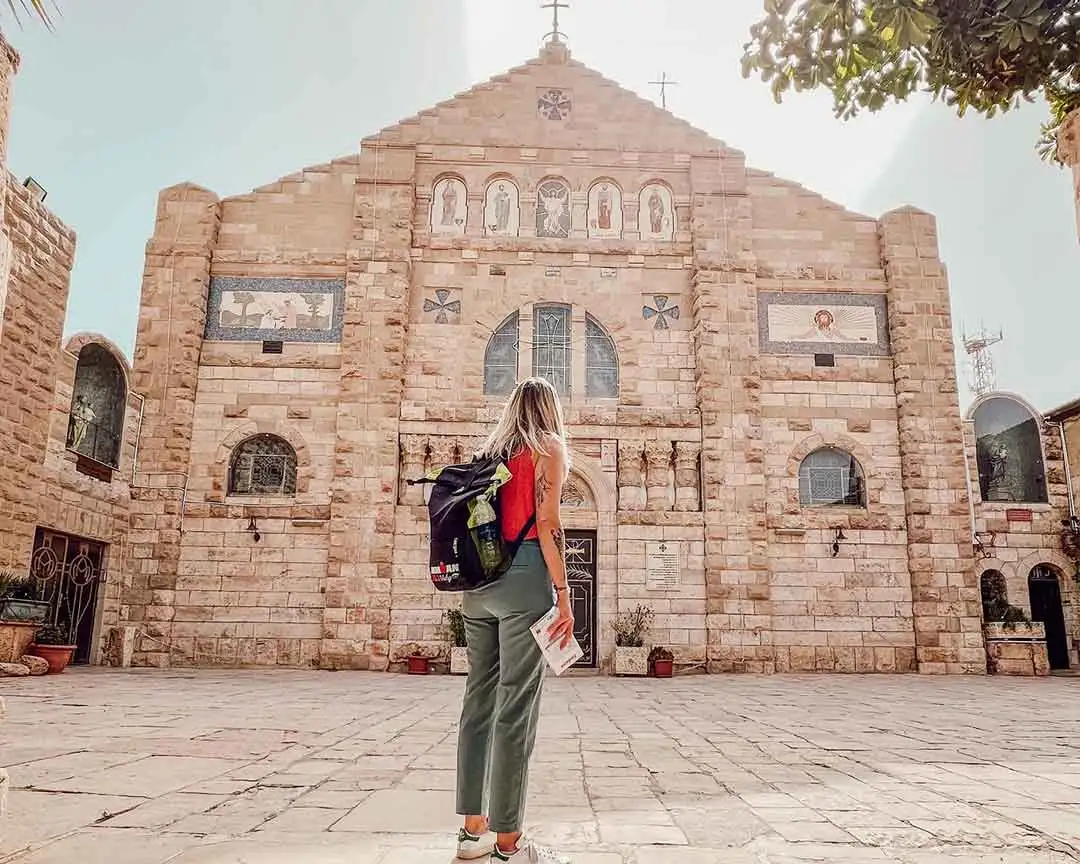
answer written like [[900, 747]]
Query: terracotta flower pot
[[57, 656], [419, 665], [663, 668]]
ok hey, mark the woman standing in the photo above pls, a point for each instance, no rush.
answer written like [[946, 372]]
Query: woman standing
[[506, 667]]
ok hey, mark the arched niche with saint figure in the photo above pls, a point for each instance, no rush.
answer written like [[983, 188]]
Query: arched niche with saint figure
[[1008, 452], [605, 210], [502, 209], [98, 406], [553, 208], [656, 213], [449, 206]]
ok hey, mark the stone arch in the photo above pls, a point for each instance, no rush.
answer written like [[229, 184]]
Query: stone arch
[[1054, 558], [844, 443], [97, 415], [984, 564], [584, 470], [78, 341], [249, 429]]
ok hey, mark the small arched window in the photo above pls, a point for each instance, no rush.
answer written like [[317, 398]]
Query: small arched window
[[1008, 452], [98, 405], [994, 595], [501, 359], [601, 361], [263, 465], [830, 477]]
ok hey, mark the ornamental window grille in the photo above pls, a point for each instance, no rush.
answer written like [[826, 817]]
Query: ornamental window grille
[[830, 477], [551, 346], [263, 465]]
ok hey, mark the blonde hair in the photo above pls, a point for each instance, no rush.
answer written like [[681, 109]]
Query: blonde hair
[[532, 417]]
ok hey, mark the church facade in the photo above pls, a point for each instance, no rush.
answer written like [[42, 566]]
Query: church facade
[[767, 447]]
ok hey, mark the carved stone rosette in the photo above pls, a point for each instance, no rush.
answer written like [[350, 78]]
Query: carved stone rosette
[[687, 476], [413, 454], [658, 474], [631, 479]]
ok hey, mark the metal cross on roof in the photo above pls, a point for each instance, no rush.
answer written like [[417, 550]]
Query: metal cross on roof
[[663, 83], [555, 35]]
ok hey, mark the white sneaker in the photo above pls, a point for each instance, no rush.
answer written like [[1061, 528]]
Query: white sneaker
[[529, 853], [470, 847]]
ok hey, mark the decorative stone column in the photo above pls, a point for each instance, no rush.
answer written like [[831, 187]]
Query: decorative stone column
[[413, 452], [687, 476], [658, 474], [1069, 153], [631, 481]]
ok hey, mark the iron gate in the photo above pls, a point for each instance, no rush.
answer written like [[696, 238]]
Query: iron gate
[[67, 571]]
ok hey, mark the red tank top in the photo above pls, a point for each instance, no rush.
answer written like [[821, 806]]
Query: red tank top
[[517, 499]]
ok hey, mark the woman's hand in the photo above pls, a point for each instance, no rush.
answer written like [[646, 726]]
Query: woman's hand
[[562, 630]]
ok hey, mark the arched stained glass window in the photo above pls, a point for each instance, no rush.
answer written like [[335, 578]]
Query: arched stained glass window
[[501, 359], [831, 477], [601, 361], [263, 465], [1008, 452]]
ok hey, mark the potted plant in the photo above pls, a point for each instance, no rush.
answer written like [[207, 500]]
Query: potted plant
[[661, 661], [418, 658], [18, 600], [631, 655], [455, 631], [51, 644]]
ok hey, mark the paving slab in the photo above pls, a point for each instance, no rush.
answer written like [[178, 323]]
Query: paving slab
[[276, 766]]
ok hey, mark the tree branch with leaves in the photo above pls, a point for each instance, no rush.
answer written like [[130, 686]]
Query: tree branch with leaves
[[975, 55]]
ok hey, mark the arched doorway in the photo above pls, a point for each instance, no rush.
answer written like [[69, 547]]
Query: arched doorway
[[1044, 590], [579, 520]]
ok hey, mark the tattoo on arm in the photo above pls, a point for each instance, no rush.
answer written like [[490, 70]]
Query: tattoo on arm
[[543, 487], [560, 542]]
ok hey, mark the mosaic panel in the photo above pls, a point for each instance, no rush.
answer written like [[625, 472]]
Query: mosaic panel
[[853, 324], [257, 309]]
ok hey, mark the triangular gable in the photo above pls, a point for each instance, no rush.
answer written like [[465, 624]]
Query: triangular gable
[[503, 111]]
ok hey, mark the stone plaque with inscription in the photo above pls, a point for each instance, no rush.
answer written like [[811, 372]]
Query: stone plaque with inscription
[[662, 565]]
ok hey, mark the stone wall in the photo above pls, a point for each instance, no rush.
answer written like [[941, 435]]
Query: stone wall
[[1014, 538]]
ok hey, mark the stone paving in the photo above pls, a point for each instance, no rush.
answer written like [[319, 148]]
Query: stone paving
[[264, 767]]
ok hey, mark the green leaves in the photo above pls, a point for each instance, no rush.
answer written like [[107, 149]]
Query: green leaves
[[980, 55]]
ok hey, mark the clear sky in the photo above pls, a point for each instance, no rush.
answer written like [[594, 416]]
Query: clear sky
[[126, 98]]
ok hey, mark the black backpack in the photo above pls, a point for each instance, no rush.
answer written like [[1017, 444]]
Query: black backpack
[[464, 556]]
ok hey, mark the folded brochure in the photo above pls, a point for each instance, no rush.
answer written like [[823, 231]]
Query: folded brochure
[[558, 658]]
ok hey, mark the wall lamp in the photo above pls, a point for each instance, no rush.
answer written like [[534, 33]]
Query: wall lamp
[[836, 541], [37, 191], [253, 528]]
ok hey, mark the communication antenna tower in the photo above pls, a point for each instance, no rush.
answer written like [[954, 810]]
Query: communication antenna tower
[[981, 359]]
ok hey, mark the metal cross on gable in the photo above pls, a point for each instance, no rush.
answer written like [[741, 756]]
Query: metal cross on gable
[[663, 314], [441, 305], [555, 35], [663, 83]]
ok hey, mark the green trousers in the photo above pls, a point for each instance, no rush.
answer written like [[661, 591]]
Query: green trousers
[[502, 693]]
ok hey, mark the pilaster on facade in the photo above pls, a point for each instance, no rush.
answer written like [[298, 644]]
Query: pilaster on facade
[[738, 607], [944, 589], [172, 323], [356, 620]]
